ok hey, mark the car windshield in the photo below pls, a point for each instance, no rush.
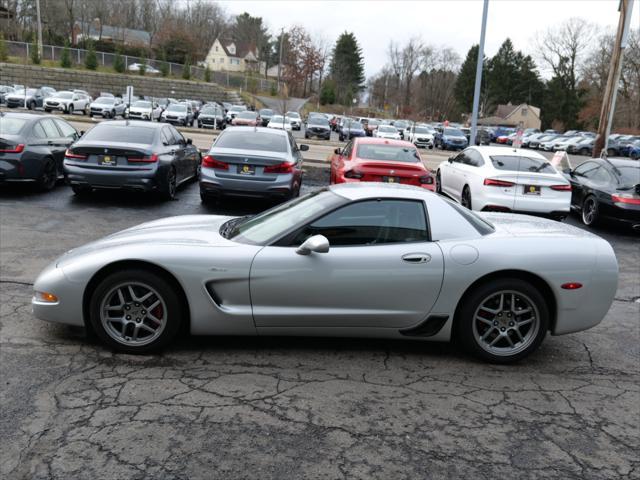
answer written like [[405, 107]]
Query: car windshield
[[11, 126], [516, 163], [421, 130], [237, 108], [210, 111], [277, 119], [106, 100], [453, 132], [392, 153], [400, 124], [177, 108], [247, 139], [65, 95], [247, 115], [266, 112], [269, 225], [142, 104], [353, 125], [105, 132], [294, 115], [388, 129], [318, 121]]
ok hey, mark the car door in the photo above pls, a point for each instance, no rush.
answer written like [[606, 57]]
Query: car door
[[450, 176], [382, 270], [469, 169], [69, 135], [179, 150], [578, 178], [339, 159], [55, 141]]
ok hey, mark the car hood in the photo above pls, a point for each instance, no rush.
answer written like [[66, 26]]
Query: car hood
[[516, 225], [18, 96], [140, 110], [190, 230]]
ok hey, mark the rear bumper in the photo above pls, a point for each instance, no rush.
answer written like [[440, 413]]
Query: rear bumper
[[140, 180], [13, 168], [211, 185]]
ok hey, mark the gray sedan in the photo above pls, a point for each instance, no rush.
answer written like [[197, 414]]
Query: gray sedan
[[252, 162], [359, 260]]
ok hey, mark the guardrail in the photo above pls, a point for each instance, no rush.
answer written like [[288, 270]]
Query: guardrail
[[78, 55]]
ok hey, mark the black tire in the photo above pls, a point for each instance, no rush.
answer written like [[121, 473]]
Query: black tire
[[166, 291], [49, 176], [86, 110], [611, 152], [584, 151], [470, 335], [81, 191], [465, 200], [169, 185], [47, 110], [590, 211], [32, 105], [70, 109], [90, 115], [438, 182]]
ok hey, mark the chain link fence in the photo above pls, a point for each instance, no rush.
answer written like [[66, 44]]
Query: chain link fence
[[226, 79]]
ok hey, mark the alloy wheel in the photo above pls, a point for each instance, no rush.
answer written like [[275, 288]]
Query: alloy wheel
[[438, 182], [589, 211], [133, 314], [49, 176], [466, 198], [506, 323], [171, 183]]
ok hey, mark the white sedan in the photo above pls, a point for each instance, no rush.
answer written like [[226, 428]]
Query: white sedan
[[387, 131], [280, 122], [505, 180], [135, 67]]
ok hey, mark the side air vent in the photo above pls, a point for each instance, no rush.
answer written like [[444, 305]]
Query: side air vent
[[427, 328]]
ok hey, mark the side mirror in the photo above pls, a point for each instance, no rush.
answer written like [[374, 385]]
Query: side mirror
[[317, 244], [450, 159], [338, 151], [567, 171], [304, 148], [189, 141], [81, 132]]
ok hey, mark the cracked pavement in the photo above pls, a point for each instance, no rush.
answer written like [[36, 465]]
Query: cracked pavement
[[212, 407]]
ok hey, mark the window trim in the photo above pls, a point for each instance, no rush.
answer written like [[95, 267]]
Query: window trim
[[291, 232]]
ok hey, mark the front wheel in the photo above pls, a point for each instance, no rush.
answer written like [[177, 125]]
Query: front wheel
[[135, 311], [32, 105], [465, 200], [70, 109], [502, 321]]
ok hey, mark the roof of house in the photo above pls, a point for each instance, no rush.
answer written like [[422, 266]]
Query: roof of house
[[495, 120], [242, 49], [505, 112], [126, 34]]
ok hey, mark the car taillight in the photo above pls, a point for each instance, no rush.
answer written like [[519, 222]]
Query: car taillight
[[209, 162], [353, 174], [427, 179], [492, 182], [283, 167], [17, 149], [561, 188], [153, 158], [625, 198], [77, 156]]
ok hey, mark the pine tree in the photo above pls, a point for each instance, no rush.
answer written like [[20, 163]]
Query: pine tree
[[91, 61], [207, 74], [465, 83], [347, 68], [65, 58], [164, 66], [4, 54], [35, 54], [143, 67], [186, 70], [328, 92], [118, 63]]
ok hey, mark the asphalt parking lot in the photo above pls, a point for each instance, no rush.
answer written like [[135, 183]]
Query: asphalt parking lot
[[296, 408]]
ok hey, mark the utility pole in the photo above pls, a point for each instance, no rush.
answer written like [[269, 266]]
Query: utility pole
[[280, 56], [39, 29], [476, 91], [625, 7]]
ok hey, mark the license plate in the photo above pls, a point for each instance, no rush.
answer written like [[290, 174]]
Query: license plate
[[532, 189], [391, 179], [107, 160], [247, 170]]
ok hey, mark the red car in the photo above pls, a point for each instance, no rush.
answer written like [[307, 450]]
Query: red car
[[246, 119], [380, 160]]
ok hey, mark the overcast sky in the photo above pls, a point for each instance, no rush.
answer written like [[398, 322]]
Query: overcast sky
[[455, 23]]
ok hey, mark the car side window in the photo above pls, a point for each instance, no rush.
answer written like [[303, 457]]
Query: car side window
[[178, 139], [38, 131], [346, 153], [473, 158], [67, 130], [600, 175], [585, 169], [167, 138], [370, 222], [50, 129]]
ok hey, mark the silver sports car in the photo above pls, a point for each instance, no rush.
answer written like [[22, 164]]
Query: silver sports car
[[365, 260]]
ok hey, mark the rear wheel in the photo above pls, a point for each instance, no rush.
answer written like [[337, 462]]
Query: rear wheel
[[465, 200], [611, 152], [135, 311], [502, 321], [49, 176], [590, 211], [86, 110], [32, 105], [169, 185], [584, 151], [438, 182]]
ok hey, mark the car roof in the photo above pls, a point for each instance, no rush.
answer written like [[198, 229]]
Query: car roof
[[360, 190], [514, 152], [382, 141], [25, 115], [132, 123], [621, 162], [272, 131]]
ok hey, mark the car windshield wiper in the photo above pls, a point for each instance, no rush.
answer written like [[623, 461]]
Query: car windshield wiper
[[229, 226], [541, 167]]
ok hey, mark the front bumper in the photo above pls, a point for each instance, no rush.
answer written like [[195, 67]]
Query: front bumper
[[68, 308], [139, 115]]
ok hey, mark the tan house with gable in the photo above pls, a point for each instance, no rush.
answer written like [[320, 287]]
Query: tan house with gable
[[511, 115], [230, 56]]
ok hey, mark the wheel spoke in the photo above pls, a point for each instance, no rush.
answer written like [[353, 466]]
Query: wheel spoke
[[487, 333], [495, 340], [517, 330], [524, 322], [484, 320], [509, 339], [152, 317], [522, 312]]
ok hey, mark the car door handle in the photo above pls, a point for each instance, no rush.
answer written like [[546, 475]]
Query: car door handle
[[416, 257]]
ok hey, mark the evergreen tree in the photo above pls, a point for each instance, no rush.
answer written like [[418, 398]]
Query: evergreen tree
[[328, 92], [91, 61], [4, 54], [186, 70], [207, 74], [143, 67], [118, 63], [65, 58], [35, 55], [347, 68], [465, 83], [164, 66]]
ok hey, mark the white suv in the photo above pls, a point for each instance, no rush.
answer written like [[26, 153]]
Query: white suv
[[68, 102]]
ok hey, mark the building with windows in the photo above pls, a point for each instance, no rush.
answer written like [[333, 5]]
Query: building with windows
[[510, 115], [227, 55]]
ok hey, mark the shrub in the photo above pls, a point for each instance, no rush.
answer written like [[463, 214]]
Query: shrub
[[186, 70], [4, 54], [91, 61], [118, 63], [207, 74], [65, 58], [164, 66], [35, 55], [328, 92], [143, 67]]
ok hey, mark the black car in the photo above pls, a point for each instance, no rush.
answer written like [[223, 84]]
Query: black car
[[32, 148], [131, 155], [266, 114], [211, 116], [317, 126], [351, 129], [606, 190]]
